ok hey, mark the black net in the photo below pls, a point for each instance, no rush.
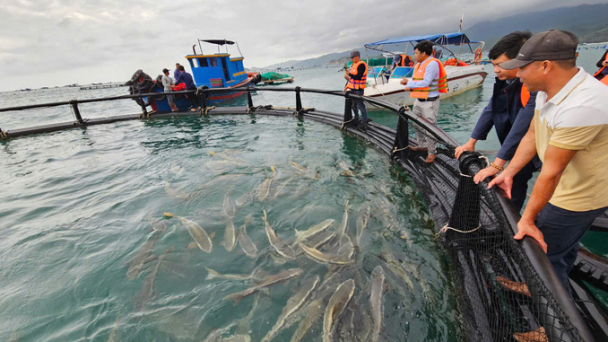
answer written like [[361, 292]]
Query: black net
[[501, 297]]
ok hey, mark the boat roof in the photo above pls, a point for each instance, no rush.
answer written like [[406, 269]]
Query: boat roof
[[442, 39], [218, 41]]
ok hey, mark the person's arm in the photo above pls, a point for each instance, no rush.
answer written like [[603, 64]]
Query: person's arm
[[525, 152], [518, 130], [431, 73], [178, 79], [480, 132]]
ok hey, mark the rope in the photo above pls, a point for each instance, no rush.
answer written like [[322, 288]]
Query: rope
[[486, 160], [463, 175], [345, 122], [207, 109], [400, 149], [3, 135], [446, 228]]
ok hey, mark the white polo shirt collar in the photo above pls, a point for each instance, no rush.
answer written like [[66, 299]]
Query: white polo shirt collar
[[542, 102]]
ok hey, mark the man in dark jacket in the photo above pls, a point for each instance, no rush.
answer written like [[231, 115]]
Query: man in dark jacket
[[187, 79], [510, 112]]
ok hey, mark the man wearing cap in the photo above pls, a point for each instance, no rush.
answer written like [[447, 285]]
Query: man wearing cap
[[569, 132], [509, 112], [167, 83], [357, 79]]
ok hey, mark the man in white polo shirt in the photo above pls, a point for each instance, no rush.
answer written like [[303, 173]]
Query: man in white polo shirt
[[569, 132]]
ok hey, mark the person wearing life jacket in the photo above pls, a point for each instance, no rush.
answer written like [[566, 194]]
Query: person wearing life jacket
[[510, 111], [603, 71], [357, 79], [402, 60], [428, 81]]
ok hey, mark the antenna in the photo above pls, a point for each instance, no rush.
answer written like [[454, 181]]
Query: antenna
[[461, 20]]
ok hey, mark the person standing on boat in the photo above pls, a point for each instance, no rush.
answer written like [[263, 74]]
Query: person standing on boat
[[569, 132], [428, 81], [509, 111], [357, 79], [176, 72], [187, 79], [167, 83], [602, 64]]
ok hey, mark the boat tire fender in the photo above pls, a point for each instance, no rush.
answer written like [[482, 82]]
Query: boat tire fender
[[199, 92]]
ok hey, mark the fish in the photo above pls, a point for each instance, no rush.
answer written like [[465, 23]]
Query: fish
[[264, 189], [243, 325], [293, 304], [237, 338], [203, 241], [176, 193], [274, 172], [313, 313], [299, 167], [212, 274], [346, 250], [243, 200], [319, 227], [343, 224], [281, 187], [141, 258], [338, 301], [230, 236], [281, 247], [247, 245], [362, 221], [321, 257], [317, 240], [148, 285], [157, 225], [376, 300], [345, 169], [268, 281], [396, 267], [229, 209]]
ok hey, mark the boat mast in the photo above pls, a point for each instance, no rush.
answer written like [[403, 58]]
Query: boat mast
[[460, 31]]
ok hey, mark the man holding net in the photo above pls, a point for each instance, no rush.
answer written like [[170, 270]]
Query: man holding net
[[509, 111], [569, 132]]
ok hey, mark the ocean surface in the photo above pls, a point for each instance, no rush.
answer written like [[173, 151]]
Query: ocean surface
[[88, 255]]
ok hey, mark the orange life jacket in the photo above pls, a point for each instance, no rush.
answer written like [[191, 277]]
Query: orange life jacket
[[601, 69], [525, 95], [357, 84], [402, 63], [442, 81]]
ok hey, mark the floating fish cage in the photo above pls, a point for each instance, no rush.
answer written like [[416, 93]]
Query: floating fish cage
[[506, 289]]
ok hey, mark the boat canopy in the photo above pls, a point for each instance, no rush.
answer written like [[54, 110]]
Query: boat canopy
[[217, 41], [441, 39]]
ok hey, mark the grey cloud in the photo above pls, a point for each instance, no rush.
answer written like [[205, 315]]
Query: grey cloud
[[69, 41]]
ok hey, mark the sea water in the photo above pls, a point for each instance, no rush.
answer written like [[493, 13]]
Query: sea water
[[75, 207]]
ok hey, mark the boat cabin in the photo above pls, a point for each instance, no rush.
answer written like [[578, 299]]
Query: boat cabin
[[217, 70]]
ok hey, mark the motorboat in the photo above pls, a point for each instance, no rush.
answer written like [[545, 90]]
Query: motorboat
[[384, 82]]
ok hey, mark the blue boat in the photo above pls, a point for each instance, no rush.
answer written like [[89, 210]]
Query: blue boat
[[209, 70]]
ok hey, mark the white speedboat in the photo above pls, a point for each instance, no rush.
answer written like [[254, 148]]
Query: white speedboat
[[462, 75]]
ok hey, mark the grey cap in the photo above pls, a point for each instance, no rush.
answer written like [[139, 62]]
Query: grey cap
[[552, 45], [355, 53]]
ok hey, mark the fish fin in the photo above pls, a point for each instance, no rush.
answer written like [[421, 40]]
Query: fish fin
[[169, 215], [236, 297], [192, 245], [212, 235]]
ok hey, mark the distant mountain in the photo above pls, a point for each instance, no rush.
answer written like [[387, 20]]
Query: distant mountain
[[588, 22]]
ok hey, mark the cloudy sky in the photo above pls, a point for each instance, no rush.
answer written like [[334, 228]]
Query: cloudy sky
[[50, 42]]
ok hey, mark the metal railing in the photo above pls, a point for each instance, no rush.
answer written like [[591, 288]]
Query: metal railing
[[533, 251]]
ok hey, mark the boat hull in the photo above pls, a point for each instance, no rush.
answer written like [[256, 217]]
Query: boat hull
[[460, 79]]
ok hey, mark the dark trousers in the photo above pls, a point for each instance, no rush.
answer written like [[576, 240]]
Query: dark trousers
[[192, 98], [520, 185], [359, 104], [563, 230]]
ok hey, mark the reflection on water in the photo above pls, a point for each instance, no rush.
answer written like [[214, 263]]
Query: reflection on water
[[88, 253]]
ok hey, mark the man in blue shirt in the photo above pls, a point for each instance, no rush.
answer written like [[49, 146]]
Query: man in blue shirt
[[176, 72], [187, 79], [510, 112]]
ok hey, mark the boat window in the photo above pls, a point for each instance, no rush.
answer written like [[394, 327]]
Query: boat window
[[203, 62], [192, 64], [402, 72], [213, 62]]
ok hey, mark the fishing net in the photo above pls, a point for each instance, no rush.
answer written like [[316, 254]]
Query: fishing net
[[271, 76], [501, 297]]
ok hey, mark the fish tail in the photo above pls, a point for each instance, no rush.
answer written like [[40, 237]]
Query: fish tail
[[236, 297], [211, 274]]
